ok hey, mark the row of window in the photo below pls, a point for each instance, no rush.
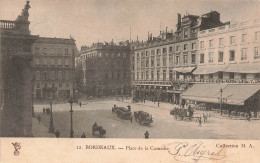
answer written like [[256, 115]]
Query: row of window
[[210, 76], [94, 55], [231, 76], [38, 85], [52, 51], [53, 75], [164, 50], [150, 61], [232, 55], [113, 75], [52, 61], [112, 63], [145, 62], [146, 75], [232, 40]]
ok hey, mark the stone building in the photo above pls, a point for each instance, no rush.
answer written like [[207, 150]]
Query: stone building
[[106, 69], [163, 63], [54, 68], [16, 76], [228, 66]]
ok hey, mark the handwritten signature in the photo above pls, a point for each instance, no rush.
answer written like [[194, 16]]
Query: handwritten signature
[[183, 151]]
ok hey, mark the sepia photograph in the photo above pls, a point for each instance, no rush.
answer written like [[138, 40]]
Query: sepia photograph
[[130, 70]]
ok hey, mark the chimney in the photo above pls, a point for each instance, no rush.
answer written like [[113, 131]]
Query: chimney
[[179, 21]]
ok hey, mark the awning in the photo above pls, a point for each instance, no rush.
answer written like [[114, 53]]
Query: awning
[[244, 68], [237, 94], [202, 93], [233, 94], [184, 70], [210, 69]]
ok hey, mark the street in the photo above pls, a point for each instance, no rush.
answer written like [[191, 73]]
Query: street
[[163, 126]]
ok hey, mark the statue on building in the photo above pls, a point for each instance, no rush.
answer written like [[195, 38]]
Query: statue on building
[[24, 14]]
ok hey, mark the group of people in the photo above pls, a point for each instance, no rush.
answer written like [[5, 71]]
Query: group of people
[[46, 110]]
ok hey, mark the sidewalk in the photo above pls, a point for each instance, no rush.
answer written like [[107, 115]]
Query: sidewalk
[[169, 106], [39, 130], [162, 105]]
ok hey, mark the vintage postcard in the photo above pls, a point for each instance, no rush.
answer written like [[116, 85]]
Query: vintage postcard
[[130, 81]]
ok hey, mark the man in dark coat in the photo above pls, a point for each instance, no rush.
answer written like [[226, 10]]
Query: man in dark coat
[[83, 135], [57, 134], [146, 135]]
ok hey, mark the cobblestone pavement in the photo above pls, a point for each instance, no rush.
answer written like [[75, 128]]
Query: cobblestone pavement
[[39, 130], [164, 125]]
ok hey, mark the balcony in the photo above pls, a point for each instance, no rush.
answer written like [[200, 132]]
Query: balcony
[[238, 81], [7, 24]]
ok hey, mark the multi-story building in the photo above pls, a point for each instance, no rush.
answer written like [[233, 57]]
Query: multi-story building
[[106, 69], [54, 66], [229, 60], [16, 76], [162, 63]]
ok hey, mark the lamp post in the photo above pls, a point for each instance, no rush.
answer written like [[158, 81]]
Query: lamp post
[[158, 93], [33, 113], [71, 122], [51, 126], [122, 92]]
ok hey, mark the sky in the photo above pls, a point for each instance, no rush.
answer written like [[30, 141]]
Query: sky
[[90, 21]]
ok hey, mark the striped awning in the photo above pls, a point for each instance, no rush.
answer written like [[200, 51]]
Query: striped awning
[[244, 68], [184, 70], [210, 69], [233, 94]]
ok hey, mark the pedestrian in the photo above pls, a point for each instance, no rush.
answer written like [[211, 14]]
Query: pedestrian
[[200, 121], [129, 107], [248, 116], [39, 118], [43, 110], [57, 134], [131, 118], [204, 117], [80, 104], [146, 135], [83, 135], [95, 125]]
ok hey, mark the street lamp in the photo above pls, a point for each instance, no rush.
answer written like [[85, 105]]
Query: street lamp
[[158, 93], [71, 122], [221, 100], [33, 113], [122, 92], [51, 126]]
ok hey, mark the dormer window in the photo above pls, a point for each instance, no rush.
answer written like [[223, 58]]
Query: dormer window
[[185, 33]]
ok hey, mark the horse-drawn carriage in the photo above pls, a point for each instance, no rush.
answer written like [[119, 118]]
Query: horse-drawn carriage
[[143, 118], [182, 113], [99, 129], [122, 112]]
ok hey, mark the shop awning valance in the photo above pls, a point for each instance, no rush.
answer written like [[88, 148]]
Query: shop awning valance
[[210, 69], [184, 70], [244, 68], [233, 94]]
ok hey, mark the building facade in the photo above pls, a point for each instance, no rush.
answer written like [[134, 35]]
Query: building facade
[[54, 68], [228, 67], [106, 69], [233, 50], [16, 76], [163, 63]]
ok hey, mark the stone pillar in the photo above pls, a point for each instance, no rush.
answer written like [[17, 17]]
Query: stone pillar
[[27, 75], [17, 109]]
